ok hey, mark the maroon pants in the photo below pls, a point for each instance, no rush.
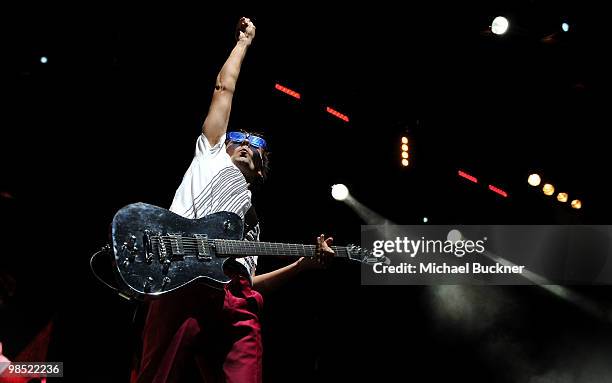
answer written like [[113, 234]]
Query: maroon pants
[[203, 335]]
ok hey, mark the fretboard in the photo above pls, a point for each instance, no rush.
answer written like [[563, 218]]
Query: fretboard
[[245, 248]]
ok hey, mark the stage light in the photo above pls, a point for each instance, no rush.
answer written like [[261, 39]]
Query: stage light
[[467, 176], [562, 197], [335, 113], [499, 26], [405, 149], [534, 180], [425, 220], [548, 189], [43, 60], [339, 192], [576, 204], [288, 91], [498, 191], [565, 27], [454, 236]]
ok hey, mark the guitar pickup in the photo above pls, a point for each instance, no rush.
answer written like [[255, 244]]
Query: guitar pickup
[[203, 247], [176, 246]]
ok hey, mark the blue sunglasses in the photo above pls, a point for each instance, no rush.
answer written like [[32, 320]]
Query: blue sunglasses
[[240, 137]]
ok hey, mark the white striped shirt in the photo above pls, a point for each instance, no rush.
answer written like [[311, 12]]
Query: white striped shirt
[[212, 184]]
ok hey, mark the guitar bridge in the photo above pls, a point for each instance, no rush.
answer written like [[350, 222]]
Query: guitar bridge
[[162, 250], [148, 247]]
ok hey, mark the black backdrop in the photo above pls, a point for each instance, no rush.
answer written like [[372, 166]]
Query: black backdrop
[[113, 116]]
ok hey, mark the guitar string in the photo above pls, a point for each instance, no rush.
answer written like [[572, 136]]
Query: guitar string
[[255, 244], [237, 251], [238, 247], [193, 242]]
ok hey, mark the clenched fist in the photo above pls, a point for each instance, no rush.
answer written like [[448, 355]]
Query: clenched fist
[[245, 30]]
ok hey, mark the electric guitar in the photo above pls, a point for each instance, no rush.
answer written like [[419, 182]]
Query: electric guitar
[[157, 251]]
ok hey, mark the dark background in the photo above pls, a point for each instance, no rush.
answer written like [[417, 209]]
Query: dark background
[[113, 116]]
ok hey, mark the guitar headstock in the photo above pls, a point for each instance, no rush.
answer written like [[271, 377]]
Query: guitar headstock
[[359, 254]]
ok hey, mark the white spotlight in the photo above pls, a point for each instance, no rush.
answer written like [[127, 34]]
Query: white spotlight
[[425, 220], [534, 179], [339, 192], [565, 27], [43, 60], [499, 26], [454, 236]]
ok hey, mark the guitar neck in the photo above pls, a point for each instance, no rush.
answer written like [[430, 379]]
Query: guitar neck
[[252, 248]]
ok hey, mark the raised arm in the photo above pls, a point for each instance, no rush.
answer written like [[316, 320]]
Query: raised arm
[[217, 119]]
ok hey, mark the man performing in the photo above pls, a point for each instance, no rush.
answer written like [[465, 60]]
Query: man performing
[[202, 334]]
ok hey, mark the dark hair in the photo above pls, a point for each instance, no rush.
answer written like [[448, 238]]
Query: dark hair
[[265, 156]]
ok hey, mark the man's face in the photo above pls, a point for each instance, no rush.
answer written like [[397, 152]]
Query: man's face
[[247, 158]]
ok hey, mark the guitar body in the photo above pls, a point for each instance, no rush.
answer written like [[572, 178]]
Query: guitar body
[[157, 251]]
